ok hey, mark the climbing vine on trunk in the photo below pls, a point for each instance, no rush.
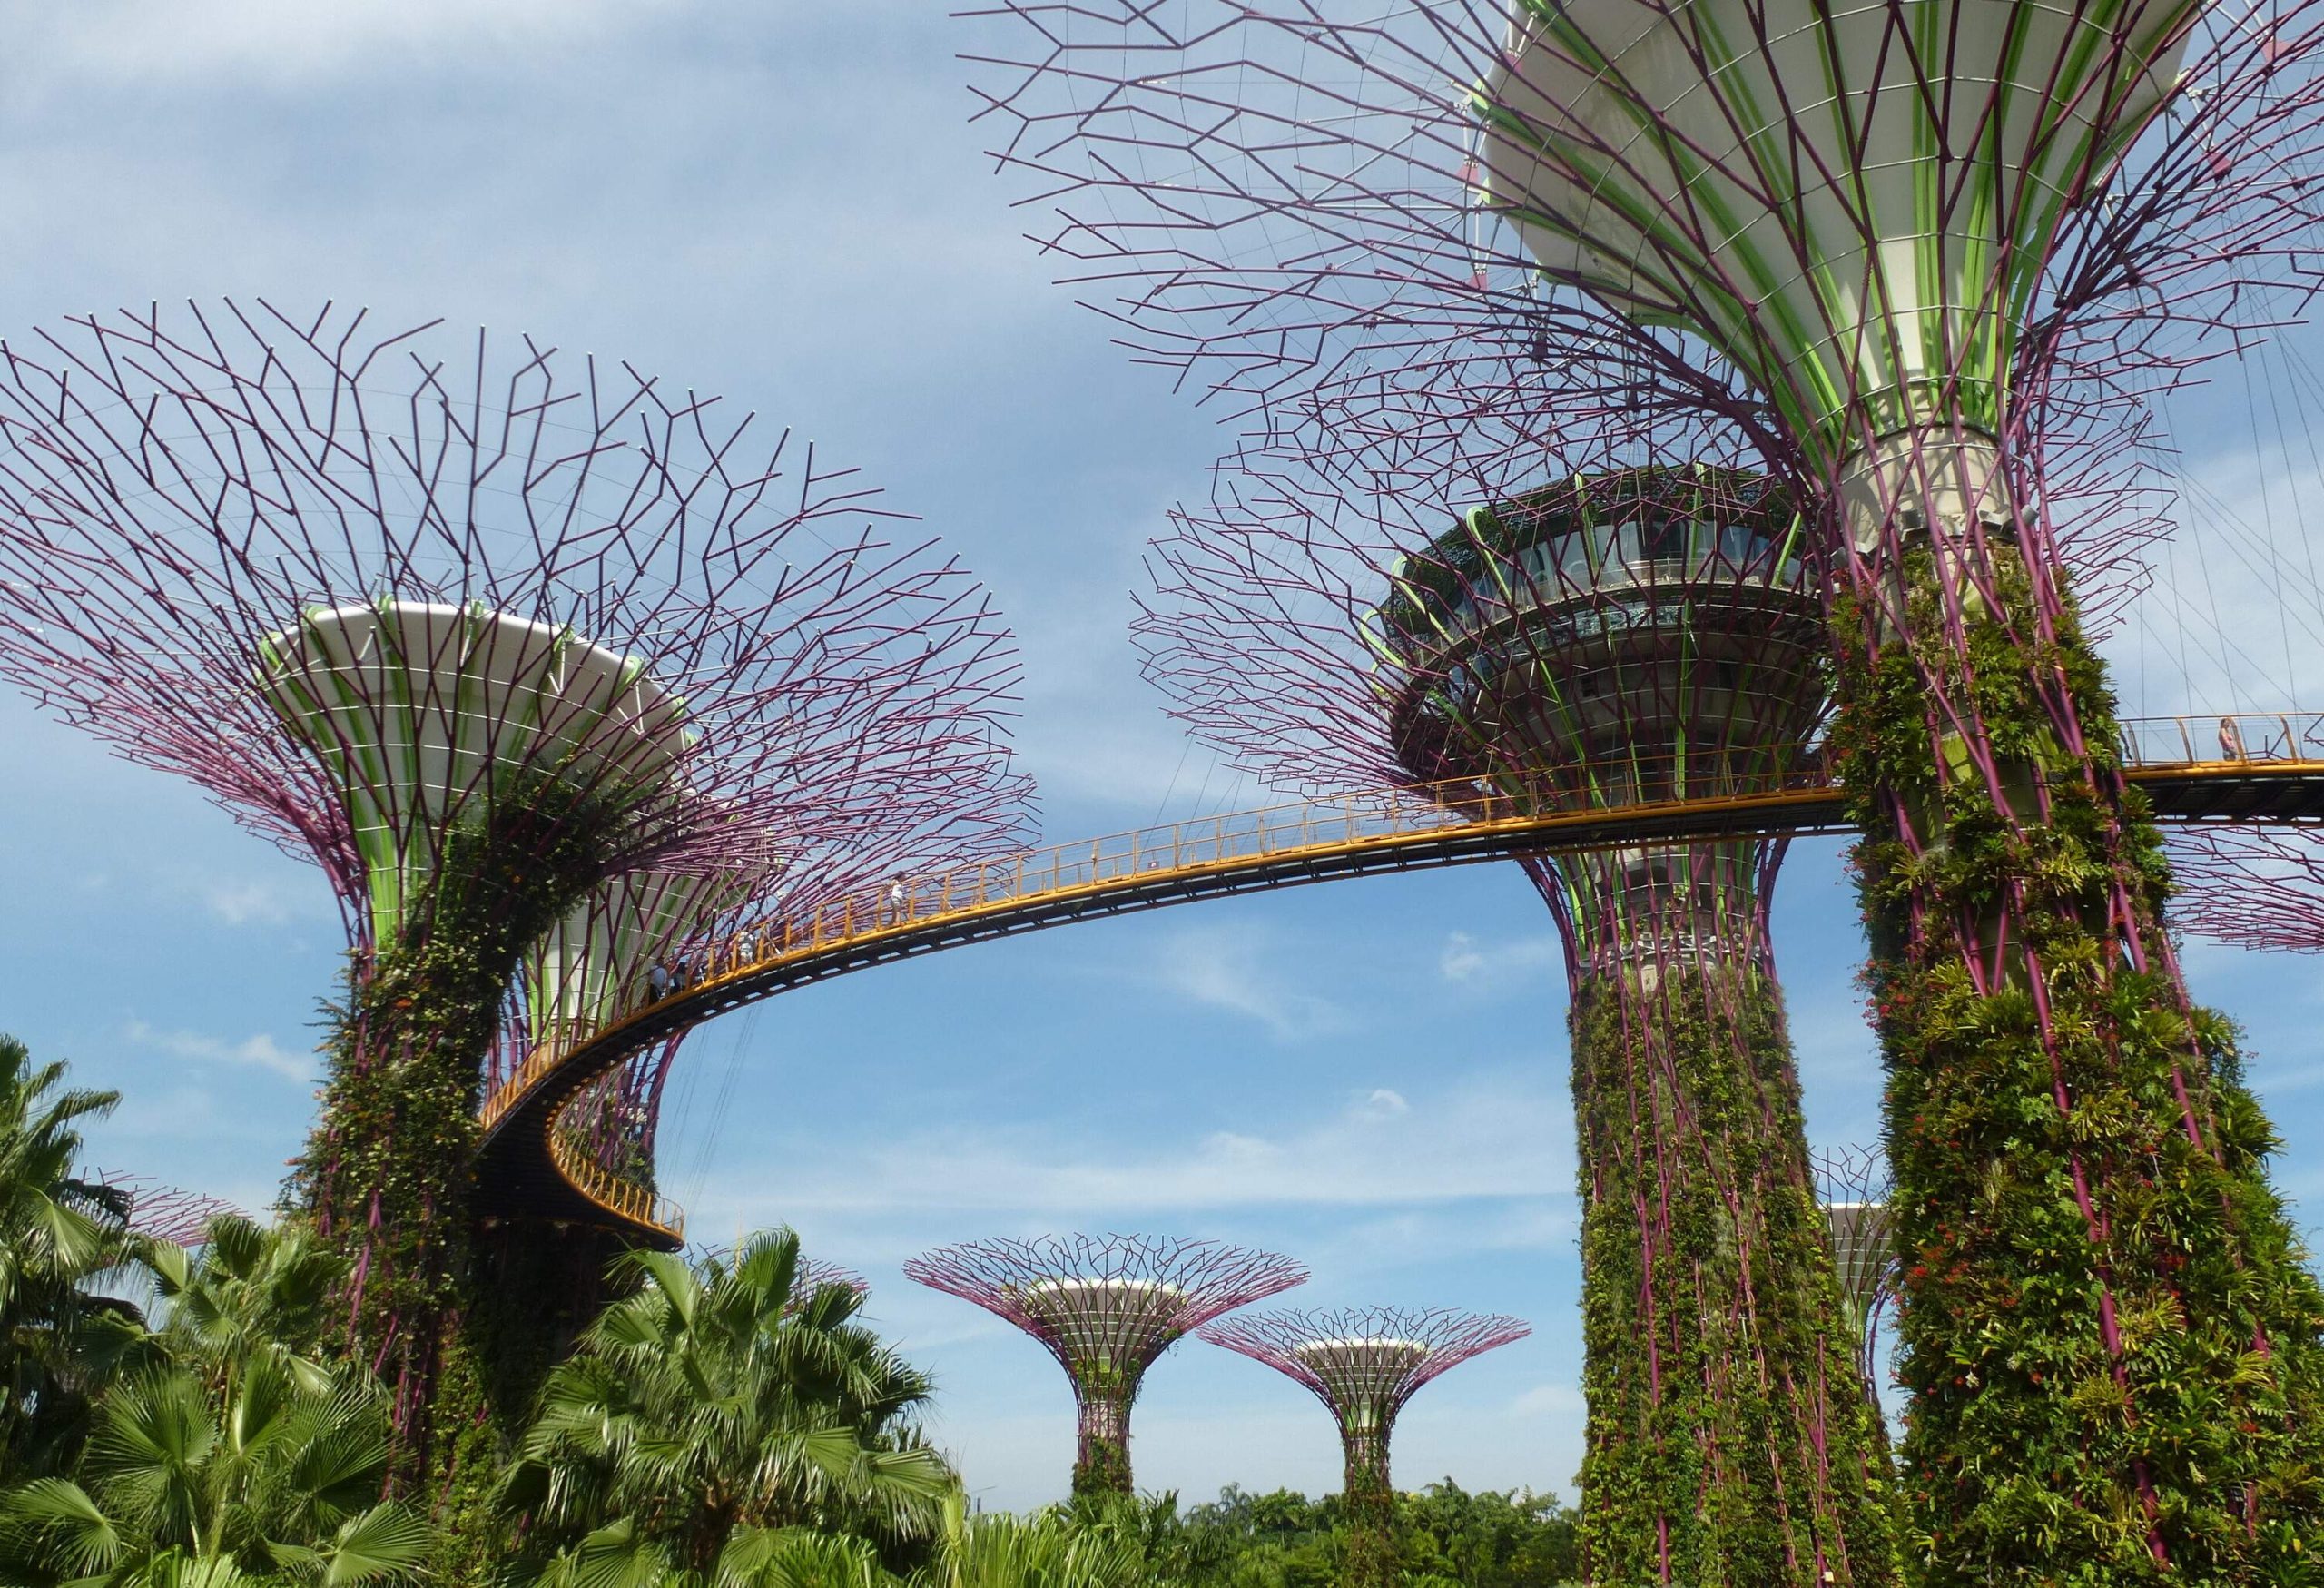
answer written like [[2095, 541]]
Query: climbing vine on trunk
[[2109, 1332], [386, 1175], [1731, 1440]]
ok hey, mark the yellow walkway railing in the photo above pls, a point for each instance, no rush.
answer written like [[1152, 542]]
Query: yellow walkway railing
[[1626, 802]]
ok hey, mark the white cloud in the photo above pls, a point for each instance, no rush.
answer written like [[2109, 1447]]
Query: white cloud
[[1483, 1140], [257, 1052], [1383, 1104], [293, 39], [245, 901], [1466, 962], [1229, 968], [1549, 1400]]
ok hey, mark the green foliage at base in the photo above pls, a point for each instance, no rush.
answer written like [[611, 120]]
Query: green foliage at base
[[230, 1452], [58, 1232], [2110, 1334], [1445, 1537], [1101, 1468], [1371, 1557], [386, 1174], [720, 1403], [1729, 1433]]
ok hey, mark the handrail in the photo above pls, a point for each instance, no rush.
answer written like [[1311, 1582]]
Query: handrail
[[626, 1198], [1750, 784]]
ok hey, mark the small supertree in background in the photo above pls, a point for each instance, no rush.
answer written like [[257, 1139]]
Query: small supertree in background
[[1105, 1307], [169, 1213], [1853, 1181], [1891, 257], [478, 634], [1483, 618], [1363, 1364]]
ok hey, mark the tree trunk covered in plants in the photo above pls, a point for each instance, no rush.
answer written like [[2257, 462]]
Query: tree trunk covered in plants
[[1102, 1397], [2109, 1333], [1373, 1559], [386, 1173], [1731, 1440]]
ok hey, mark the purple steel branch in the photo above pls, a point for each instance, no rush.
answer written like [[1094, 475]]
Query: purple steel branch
[[167, 1213], [1273, 196]]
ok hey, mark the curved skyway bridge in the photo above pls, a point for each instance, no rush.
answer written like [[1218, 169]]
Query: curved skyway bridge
[[2248, 767]]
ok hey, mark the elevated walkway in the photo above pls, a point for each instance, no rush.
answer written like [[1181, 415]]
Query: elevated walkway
[[2252, 768]]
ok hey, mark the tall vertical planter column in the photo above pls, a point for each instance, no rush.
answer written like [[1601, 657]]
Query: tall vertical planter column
[[2109, 1330], [1730, 1436]]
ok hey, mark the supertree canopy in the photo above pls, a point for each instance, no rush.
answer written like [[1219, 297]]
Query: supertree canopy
[[1105, 1307], [1855, 1185], [1625, 634], [1911, 261], [169, 1213], [1363, 1364], [484, 635]]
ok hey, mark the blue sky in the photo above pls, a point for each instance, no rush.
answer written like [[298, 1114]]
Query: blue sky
[[783, 202]]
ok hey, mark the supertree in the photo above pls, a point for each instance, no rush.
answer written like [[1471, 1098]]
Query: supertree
[[1853, 1182], [1632, 630], [1363, 1364], [481, 634], [1900, 255], [168, 1213], [1105, 1307]]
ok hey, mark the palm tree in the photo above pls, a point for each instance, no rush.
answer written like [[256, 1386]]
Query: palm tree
[[251, 1292], [1049, 1550], [57, 1232], [725, 1405], [276, 1483]]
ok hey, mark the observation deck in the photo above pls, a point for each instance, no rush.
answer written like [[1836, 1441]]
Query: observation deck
[[2262, 767]]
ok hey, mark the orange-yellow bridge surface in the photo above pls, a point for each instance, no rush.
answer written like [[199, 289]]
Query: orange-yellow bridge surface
[[2254, 768]]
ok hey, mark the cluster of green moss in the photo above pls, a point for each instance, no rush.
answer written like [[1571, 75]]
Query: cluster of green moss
[[1730, 1439], [2111, 1336]]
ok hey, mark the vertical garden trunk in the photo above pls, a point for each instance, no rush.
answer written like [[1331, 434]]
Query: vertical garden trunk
[[388, 1171], [1102, 1397], [1731, 1440], [1373, 1559], [2109, 1331]]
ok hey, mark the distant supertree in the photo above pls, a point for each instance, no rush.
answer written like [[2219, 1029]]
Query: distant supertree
[[1363, 1364], [1105, 1307], [478, 635], [1853, 1181], [1482, 623], [1899, 258], [168, 1213]]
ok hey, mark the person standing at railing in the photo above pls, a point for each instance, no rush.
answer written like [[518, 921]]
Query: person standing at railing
[[2230, 740], [893, 914]]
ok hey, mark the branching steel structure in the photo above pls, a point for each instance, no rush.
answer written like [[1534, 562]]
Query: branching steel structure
[[1853, 1184], [1914, 261], [497, 640], [1592, 634], [168, 1213], [1363, 1364], [1105, 1307]]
